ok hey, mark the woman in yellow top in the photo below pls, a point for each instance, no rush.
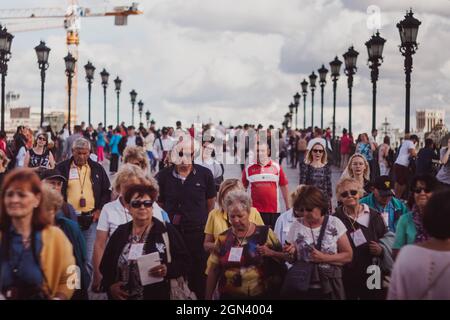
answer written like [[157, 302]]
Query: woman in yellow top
[[240, 262], [36, 259], [218, 219]]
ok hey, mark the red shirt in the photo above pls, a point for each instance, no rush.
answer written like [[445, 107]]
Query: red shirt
[[263, 183], [3, 146], [345, 144]]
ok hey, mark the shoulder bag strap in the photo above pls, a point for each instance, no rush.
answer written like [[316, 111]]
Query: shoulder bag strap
[[165, 236], [322, 232]]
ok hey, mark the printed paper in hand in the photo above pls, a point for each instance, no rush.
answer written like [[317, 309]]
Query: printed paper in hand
[[145, 263]]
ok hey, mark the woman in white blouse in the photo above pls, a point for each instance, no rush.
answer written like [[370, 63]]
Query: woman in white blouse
[[422, 271]]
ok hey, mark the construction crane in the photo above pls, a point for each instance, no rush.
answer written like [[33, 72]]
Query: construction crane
[[33, 19]]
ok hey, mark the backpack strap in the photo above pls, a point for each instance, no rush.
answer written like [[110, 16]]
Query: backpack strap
[[322, 232]]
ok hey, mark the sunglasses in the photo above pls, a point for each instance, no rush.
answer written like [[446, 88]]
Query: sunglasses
[[20, 194], [138, 204], [42, 138], [346, 194], [317, 150], [299, 212], [419, 190]]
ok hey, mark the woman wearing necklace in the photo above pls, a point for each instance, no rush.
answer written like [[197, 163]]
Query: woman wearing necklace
[[237, 265], [316, 171], [115, 213], [410, 228], [365, 228], [143, 235], [39, 156], [35, 255], [310, 210]]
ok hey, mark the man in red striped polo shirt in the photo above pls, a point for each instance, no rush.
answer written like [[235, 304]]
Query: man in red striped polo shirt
[[265, 179]]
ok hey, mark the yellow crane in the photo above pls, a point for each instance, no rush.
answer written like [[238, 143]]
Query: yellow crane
[[32, 19]]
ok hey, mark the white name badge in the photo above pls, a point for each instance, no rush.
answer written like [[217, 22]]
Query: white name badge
[[73, 174], [235, 254], [135, 251], [358, 238], [385, 216]]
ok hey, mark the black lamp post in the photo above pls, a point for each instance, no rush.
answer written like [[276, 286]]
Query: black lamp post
[[408, 29], [286, 120], [70, 70], [304, 85], [90, 69], [42, 52], [5, 54], [322, 81], [335, 67], [147, 117], [312, 85], [105, 76], [133, 95], [140, 108], [118, 83], [291, 109], [296, 103], [350, 69], [375, 51]]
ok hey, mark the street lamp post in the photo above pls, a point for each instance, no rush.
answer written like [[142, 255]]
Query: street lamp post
[[42, 52], [133, 95], [70, 62], [140, 108], [304, 85], [312, 85], [375, 51], [105, 76], [408, 29], [292, 110], [90, 69], [322, 81], [147, 117], [335, 67], [296, 103], [5, 54], [350, 69], [118, 83]]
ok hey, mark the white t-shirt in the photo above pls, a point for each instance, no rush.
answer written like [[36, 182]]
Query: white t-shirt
[[131, 141], [283, 225], [403, 154], [420, 273], [302, 237], [114, 214], [21, 157]]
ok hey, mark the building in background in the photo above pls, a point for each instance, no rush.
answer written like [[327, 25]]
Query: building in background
[[427, 119]]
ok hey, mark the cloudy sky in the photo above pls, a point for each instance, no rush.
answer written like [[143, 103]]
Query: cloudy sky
[[239, 61]]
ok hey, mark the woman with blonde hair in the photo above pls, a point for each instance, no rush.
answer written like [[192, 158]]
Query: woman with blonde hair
[[218, 218], [316, 171], [137, 156], [3, 165], [358, 168]]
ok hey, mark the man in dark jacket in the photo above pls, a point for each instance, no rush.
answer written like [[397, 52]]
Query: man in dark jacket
[[425, 157], [87, 189]]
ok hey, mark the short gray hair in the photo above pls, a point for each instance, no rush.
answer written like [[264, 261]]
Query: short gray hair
[[237, 199], [81, 143]]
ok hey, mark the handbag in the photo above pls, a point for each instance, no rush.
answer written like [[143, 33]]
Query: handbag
[[298, 277], [179, 289]]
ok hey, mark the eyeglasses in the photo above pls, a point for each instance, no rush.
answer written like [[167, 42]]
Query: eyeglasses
[[20, 194], [317, 150], [419, 190], [346, 194], [138, 204]]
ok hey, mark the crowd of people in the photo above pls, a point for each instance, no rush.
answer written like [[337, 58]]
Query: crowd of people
[[162, 222]]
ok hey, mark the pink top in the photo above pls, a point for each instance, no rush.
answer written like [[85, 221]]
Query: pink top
[[345, 144]]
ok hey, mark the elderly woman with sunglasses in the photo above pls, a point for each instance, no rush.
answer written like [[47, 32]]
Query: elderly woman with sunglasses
[[39, 156], [410, 228], [316, 171], [365, 228], [142, 236], [310, 211]]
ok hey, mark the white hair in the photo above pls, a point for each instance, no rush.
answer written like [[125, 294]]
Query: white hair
[[81, 143]]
